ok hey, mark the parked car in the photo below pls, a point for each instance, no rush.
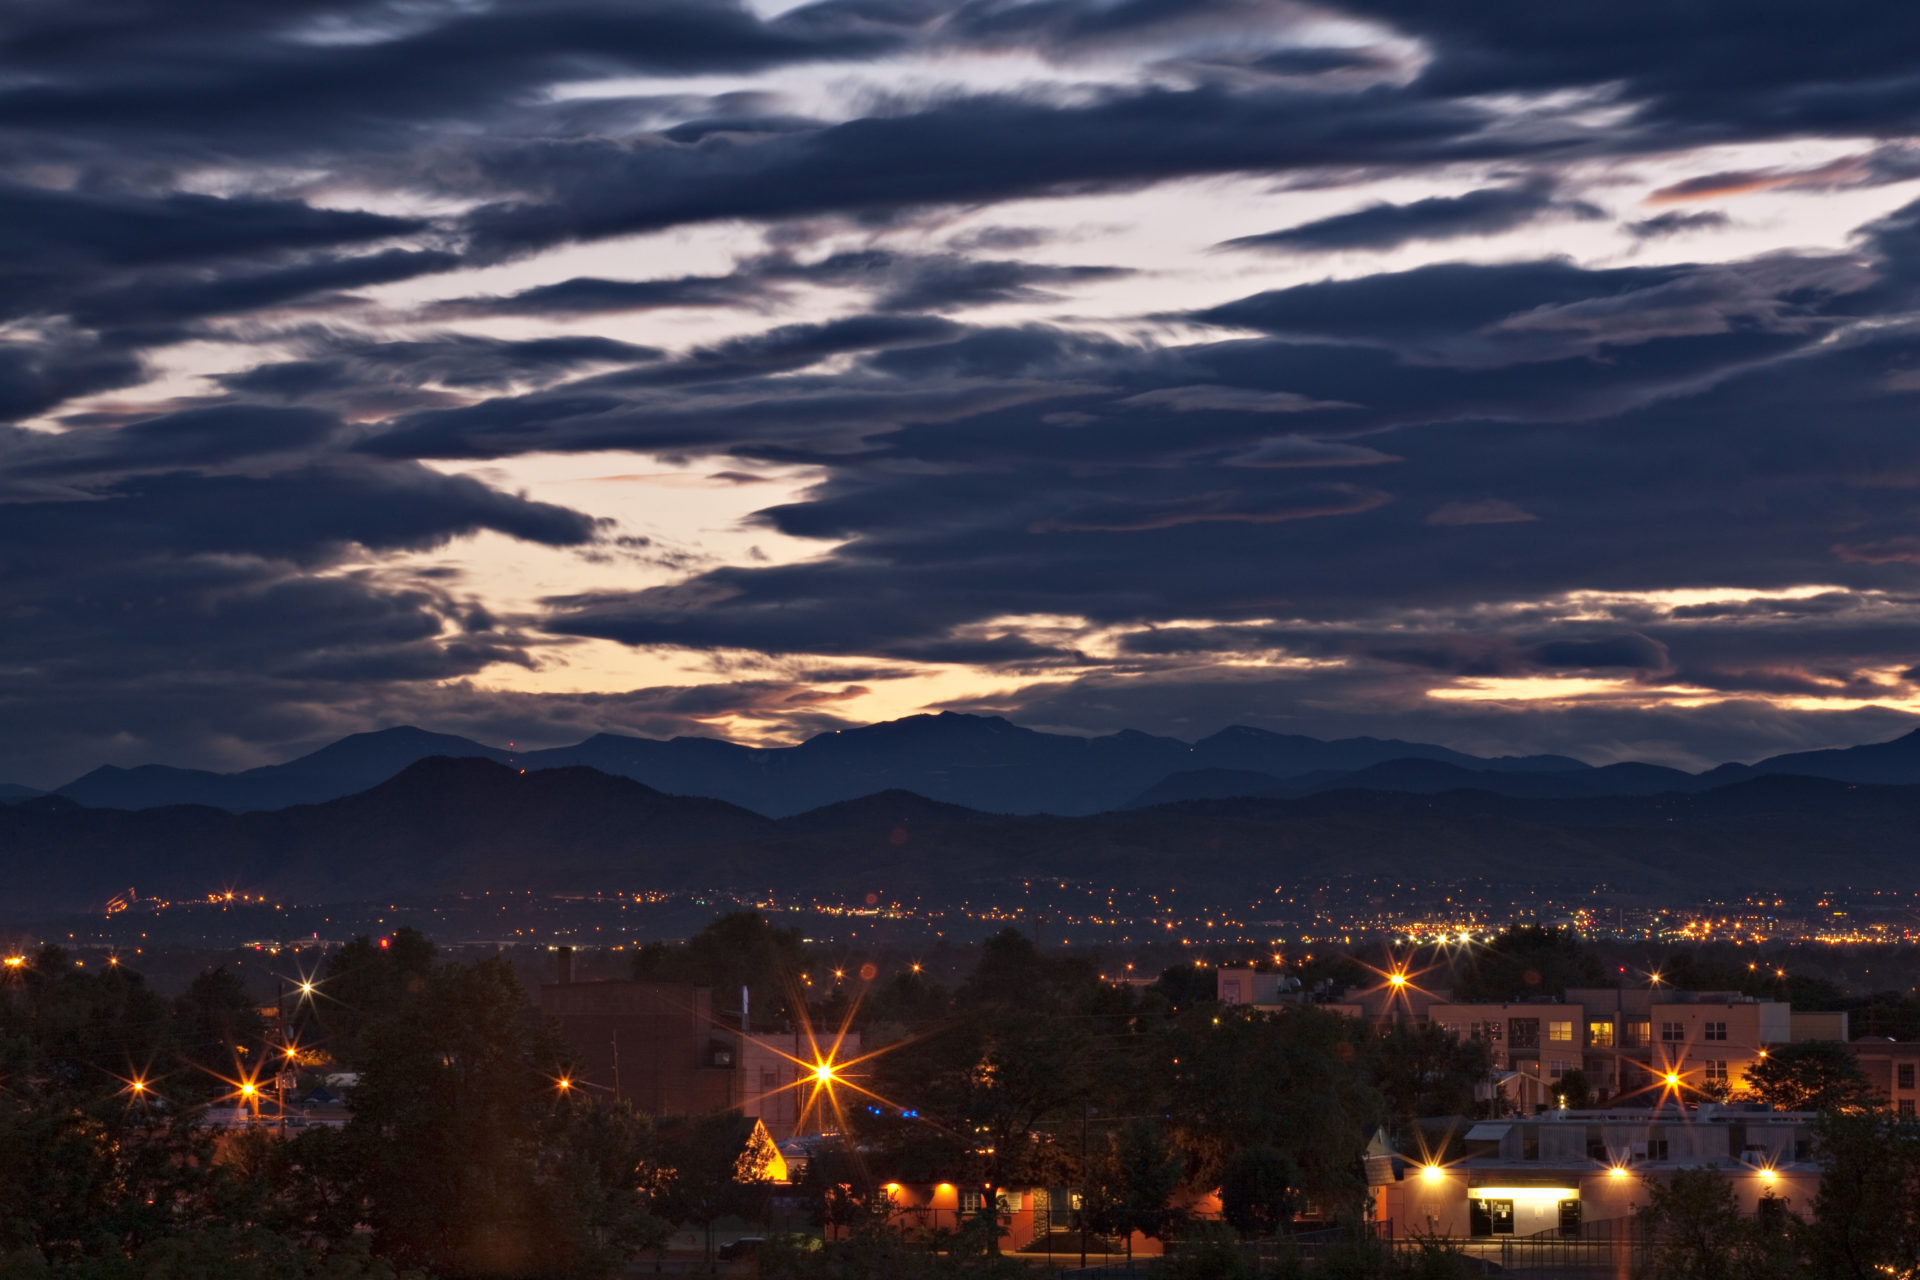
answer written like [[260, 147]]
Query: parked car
[[744, 1247]]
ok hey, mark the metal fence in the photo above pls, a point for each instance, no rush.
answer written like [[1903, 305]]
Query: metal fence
[[1602, 1254]]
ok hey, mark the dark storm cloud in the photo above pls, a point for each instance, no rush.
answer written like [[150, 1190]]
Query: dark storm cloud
[[1357, 492], [1387, 226], [1153, 523], [896, 282], [270, 80], [977, 149], [64, 365], [47, 230], [307, 514], [586, 296], [175, 577], [1675, 222], [1714, 71], [172, 297]]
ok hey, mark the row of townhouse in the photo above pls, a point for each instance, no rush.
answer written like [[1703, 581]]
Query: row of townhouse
[[1631, 1044]]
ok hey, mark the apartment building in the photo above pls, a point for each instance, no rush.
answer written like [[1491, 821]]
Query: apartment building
[[1893, 1067], [1633, 1045], [1696, 1043], [1532, 1044]]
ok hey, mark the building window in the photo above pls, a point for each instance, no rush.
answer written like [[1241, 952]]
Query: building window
[[1904, 1075], [1714, 1031], [1557, 1068], [1600, 1035], [1639, 1031], [1672, 1033], [1523, 1033], [1004, 1202], [1656, 1148], [769, 1080], [1230, 990], [1562, 1031], [1904, 1108], [1716, 1072]]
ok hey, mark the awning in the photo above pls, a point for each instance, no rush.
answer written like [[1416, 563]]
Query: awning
[[1488, 1132]]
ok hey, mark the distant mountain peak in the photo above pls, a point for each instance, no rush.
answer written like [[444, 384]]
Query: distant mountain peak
[[985, 763]]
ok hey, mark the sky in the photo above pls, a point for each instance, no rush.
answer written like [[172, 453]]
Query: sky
[[1520, 377]]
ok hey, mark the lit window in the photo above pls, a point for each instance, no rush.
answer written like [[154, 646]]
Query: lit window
[[1600, 1035], [1562, 1031]]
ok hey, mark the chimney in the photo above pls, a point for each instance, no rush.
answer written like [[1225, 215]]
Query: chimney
[[566, 965]]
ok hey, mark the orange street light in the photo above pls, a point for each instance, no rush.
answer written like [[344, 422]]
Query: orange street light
[[1432, 1173]]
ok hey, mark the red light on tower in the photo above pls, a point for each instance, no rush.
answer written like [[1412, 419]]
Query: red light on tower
[[383, 944]]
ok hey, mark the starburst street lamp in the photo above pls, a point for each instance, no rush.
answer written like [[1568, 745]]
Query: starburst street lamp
[[823, 1073]]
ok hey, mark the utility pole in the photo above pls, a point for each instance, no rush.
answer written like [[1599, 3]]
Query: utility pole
[[286, 1043], [1086, 1109]]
